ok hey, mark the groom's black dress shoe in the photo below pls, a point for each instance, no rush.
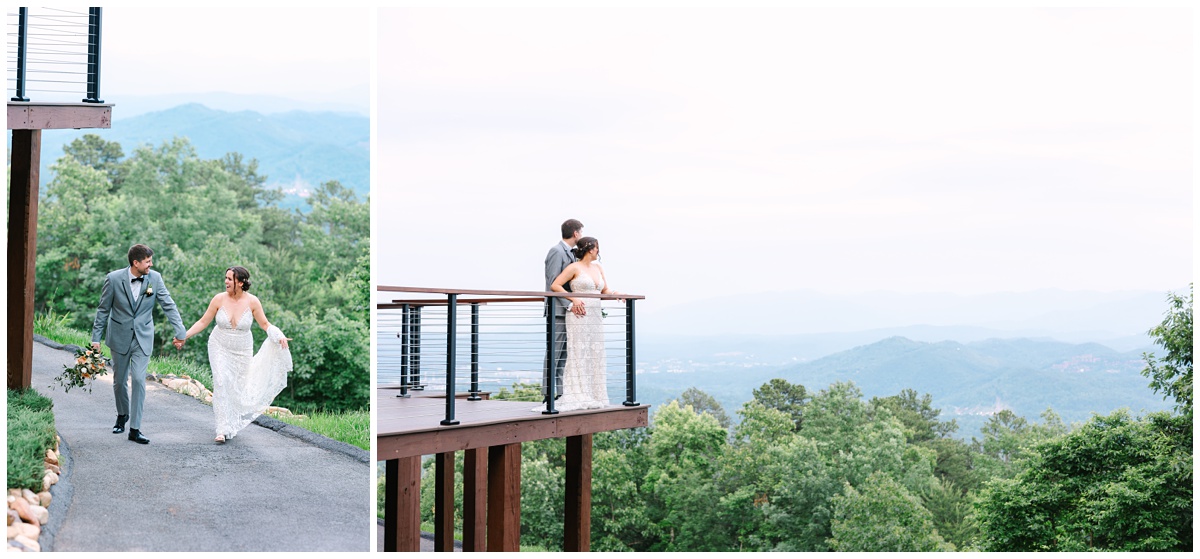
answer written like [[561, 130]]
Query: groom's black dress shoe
[[120, 426], [136, 436]]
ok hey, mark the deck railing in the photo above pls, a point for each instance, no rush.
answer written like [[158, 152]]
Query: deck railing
[[53, 50], [466, 342]]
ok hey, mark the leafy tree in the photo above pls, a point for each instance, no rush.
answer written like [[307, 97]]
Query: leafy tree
[[701, 402], [1115, 484], [918, 415], [1008, 440], [882, 516], [684, 452], [1172, 374], [784, 396], [95, 152]]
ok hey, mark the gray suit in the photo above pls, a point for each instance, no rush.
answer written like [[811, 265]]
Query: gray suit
[[556, 261], [130, 333]]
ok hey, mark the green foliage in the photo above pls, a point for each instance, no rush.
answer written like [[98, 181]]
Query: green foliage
[[311, 271], [784, 396], [1009, 439], [917, 414], [1172, 374], [1116, 484], [30, 432], [521, 392], [701, 402], [351, 427], [884, 516]]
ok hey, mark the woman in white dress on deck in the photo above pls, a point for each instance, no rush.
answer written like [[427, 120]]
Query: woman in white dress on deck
[[244, 383], [584, 385]]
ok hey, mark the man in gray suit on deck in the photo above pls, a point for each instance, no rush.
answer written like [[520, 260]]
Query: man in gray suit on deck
[[557, 259], [126, 313]]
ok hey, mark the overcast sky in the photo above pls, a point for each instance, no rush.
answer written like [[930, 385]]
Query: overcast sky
[[743, 151], [315, 55]]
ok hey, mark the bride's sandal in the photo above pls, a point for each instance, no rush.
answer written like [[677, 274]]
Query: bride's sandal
[[220, 439]]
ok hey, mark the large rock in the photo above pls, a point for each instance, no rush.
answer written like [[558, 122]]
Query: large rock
[[22, 529], [27, 543], [23, 509]]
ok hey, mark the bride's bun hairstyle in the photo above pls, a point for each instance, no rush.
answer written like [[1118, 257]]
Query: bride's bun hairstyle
[[583, 246], [242, 276]]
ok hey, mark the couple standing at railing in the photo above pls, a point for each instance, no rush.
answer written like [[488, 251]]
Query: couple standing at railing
[[572, 266]]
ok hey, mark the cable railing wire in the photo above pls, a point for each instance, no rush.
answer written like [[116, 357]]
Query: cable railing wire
[[434, 345], [42, 40]]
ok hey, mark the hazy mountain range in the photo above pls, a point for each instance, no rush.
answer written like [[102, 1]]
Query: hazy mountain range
[[1066, 315], [1077, 352], [968, 381], [296, 150]]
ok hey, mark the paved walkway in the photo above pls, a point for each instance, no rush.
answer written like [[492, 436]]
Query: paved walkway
[[266, 490]]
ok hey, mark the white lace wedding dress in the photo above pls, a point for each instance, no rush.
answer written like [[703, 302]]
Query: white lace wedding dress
[[584, 373], [244, 383]]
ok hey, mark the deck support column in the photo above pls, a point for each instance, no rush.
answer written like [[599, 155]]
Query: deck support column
[[577, 517], [402, 505], [504, 498], [22, 253], [443, 499], [475, 486]]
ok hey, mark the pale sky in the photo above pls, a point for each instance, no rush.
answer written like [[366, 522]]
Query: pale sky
[[318, 54], [725, 151]]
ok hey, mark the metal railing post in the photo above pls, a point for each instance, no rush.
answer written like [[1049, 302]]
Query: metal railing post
[[93, 64], [451, 331], [403, 351], [414, 336], [474, 397], [22, 43], [630, 356], [551, 361]]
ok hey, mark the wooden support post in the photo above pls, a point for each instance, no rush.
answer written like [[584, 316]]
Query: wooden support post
[[577, 533], [402, 505], [475, 499], [22, 253], [504, 498], [443, 502]]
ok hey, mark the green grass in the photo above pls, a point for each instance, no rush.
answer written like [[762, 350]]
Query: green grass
[[351, 427], [178, 366], [30, 434], [56, 328]]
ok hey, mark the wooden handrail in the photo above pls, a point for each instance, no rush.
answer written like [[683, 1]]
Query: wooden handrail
[[542, 294]]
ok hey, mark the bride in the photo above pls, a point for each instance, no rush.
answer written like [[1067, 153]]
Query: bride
[[244, 384], [584, 373]]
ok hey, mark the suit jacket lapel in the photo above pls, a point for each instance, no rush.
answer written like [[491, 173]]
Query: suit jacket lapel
[[128, 288]]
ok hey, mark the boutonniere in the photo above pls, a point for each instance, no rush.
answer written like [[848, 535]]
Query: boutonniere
[[149, 290]]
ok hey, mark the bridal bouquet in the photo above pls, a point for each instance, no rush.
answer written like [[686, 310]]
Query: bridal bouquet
[[89, 364]]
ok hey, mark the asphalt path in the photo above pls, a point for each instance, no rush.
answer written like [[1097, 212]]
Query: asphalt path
[[272, 488]]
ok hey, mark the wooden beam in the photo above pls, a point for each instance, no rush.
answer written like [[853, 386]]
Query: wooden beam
[[475, 499], [504, 498], [402, 505], [461, 437], [22, 253], [443, 502], [52, 116], [577, 517]]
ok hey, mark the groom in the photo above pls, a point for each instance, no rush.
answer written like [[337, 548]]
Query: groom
[[557, 259], [126, 311]]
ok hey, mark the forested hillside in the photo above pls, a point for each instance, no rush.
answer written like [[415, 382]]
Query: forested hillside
[[295, 150], [311, 269]]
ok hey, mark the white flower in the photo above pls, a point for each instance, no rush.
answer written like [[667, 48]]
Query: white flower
[[149, 290]]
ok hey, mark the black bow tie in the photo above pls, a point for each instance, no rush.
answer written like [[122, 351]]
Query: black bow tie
[[138, 279]]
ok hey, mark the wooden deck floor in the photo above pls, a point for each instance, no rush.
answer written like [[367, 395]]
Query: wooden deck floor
[[412, 426]]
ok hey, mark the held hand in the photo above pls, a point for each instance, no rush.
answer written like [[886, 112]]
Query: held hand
[[96, 346], [178, 343], [578, 308]]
